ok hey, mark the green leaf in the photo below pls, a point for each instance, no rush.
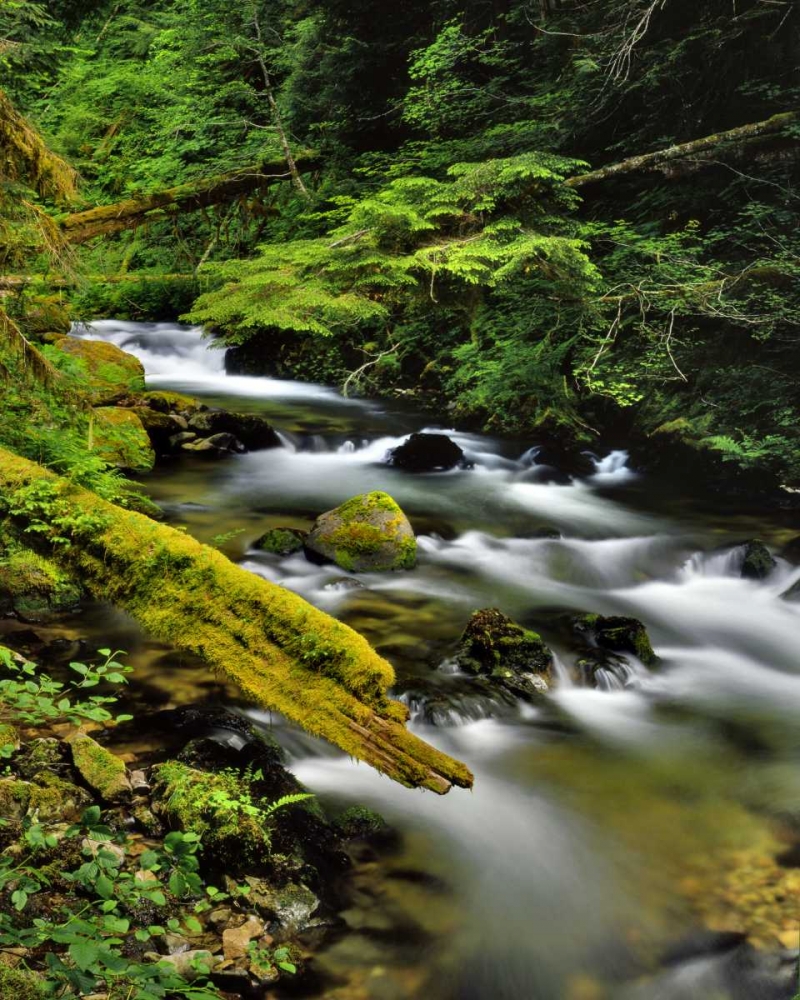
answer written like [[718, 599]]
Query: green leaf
[[84, 954], [104, 887], [177, 884]]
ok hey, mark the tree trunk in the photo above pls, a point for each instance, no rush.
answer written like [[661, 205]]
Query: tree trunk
[[720, 142], [283, 653], [105, 219], [275, 111]]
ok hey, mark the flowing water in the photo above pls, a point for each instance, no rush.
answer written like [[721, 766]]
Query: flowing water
[[602, 822]]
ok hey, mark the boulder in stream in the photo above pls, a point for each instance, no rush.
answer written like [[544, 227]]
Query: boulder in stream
[[758, 562], [109, 374], [281, 541], [254, 432], [427, 453], [369, 533], [615, 633], [494, 646]]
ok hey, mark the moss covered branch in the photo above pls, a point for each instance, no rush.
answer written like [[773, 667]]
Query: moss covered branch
[[190, 197], [283, 653], [662, 158]]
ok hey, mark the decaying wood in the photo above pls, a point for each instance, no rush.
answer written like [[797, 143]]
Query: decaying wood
[[688, 151], [282, 653], [106, 219]]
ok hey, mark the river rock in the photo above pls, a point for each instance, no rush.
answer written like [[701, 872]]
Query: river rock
[[494, 646], [102, 770], [281, 541], [254, 432], [236, 940], [215, 446], [427, 453], [121, 439], [109, 373], [758, 562], [33, 587], [616, 633], [291, 906], [369, 533]]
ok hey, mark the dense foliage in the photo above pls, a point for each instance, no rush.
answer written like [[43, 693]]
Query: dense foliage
[[435, 246]]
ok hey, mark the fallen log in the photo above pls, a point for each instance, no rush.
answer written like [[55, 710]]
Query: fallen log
[[283, 653], [687, 150], [190, 197]]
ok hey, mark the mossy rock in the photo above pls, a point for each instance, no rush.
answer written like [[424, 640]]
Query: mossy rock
[[119, 438], [33, 587], [102, 770], [254, 432], [281, 541], [369, 533], [199, 802], [9, 738], [616, 633], [494, 646], [170, 402], [111, 373], [45, 314], [19, 984], [757, 562], [49, 798]]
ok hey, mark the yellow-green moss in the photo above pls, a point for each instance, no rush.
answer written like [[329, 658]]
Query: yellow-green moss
[[366, 533], [9, 737], [209, 805], [283, 653], [18, 984], [32, 585], [119, 438], [49, 798], [110, 373], [100, 768]]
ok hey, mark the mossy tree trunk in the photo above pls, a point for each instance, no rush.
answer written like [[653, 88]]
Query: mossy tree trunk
[[190, 197], [283, 653]]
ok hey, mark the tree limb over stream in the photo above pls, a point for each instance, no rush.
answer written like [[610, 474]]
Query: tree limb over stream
[[283, 653]]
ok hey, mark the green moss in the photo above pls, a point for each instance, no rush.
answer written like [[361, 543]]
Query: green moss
[[53, 799], [34, 586], [170, 402], [18, 984], [253, 631], [100, 769], [214, 806], [368, 533], [119, 438], [280, 541], [9, 737], [109, 373]]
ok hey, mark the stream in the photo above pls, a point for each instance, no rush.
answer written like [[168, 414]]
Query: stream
[[602, 822]]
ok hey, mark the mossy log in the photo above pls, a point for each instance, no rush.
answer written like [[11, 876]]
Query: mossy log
[[662, 158], [105, 219], [283, 653]]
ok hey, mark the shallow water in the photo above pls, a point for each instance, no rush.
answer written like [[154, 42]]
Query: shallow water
[[602, 821]]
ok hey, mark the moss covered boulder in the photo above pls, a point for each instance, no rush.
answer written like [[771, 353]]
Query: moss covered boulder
[[757, 560], [616, 633], [494, 646], [119, 437], [369, 533], [49, 798], [102, 770], [33, 587], [281, 541], [109, 373]]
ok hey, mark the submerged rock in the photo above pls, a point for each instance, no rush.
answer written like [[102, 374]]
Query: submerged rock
[[758, 562], [493, 645], [427, 453], [369, 533], [281, 541]]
